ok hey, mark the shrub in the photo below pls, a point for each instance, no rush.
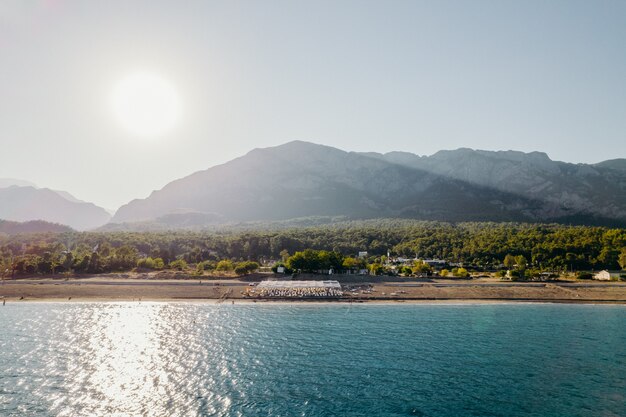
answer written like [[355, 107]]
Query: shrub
[[205, 266], [246, 267], [179, 264], [150, 263], [224, 265], [460, 272]]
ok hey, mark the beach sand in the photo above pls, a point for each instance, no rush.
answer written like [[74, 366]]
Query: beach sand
[[115, 289]]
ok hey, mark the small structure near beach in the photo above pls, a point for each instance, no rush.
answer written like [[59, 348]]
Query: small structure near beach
[[603, 276], [297, 289]]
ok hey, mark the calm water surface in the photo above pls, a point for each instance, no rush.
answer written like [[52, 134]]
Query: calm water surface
[[161, 359]]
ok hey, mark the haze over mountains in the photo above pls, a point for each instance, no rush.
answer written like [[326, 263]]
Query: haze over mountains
[[22, 201], [301, 179]]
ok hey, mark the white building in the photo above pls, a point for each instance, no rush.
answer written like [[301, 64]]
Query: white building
[[602, 276]]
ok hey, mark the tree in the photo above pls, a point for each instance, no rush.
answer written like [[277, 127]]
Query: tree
[[125, 258], [460, 272], [622, 259], [94, 264], [224, 265], [158, 263], [151, 263], [421, 267], [376, 268], [68, 262], [206, 266], [444, 273], [521, 262], [404, 270], [298, 261], [509, 261], [311, 260], [244, 268], [147, 263], [179, 264], [350, 263]]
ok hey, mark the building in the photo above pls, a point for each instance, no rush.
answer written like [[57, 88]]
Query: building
[[602, 275]]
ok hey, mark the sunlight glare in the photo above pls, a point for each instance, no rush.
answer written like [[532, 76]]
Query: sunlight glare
[[146, 104]]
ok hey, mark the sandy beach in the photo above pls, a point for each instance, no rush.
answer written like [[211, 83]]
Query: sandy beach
[[111, 288]]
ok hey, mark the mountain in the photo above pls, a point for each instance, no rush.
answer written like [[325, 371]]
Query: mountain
[[25, 203], [301, 179], [8, 182], [33, 226], [616, 164], [572, 192]]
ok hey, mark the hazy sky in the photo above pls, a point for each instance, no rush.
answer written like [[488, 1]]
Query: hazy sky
[[416, 76]]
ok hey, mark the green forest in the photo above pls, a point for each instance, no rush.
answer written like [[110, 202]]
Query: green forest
[[477, 246]]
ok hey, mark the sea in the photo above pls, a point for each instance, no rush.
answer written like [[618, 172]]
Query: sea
[[195, 359]]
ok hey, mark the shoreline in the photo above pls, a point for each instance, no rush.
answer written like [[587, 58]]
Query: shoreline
[[348, 302], [109, 289]]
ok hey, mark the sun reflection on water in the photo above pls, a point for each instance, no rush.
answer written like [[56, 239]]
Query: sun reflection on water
[[170, 359], [121, 371]]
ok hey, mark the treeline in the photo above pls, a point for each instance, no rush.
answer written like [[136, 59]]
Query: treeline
[[475, 245], [33, 226]]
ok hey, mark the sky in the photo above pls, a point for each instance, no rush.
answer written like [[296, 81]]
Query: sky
[[415, 76]]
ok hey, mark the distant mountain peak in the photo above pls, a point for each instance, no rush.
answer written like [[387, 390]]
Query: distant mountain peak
[[616, 164], [302, 179], [8, 182], [511, 155], [27, 203]]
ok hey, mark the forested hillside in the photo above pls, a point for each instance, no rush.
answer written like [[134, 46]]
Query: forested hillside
[[480, 245]]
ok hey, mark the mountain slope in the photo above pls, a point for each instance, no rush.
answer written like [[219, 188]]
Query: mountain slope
[[572, 191], [32, 226], [29, 203], [301, 179]]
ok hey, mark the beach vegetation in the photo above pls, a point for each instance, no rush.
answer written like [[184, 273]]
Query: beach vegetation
[[477, 246], [206, 266], [421, 267], [311, 260], [622, 259], [460, 272], [246, 267], [178, 264], [376, 269], [151, 263], [225, 265]]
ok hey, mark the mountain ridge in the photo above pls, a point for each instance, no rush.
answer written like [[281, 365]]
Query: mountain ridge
[[300, 179], [29, 203]]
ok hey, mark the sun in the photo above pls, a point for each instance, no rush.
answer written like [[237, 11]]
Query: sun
[[146, 104]]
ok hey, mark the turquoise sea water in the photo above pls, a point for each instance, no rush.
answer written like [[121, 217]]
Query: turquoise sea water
[[162, 359]]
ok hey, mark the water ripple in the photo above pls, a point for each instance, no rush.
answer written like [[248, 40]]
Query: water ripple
[[173, 359]]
